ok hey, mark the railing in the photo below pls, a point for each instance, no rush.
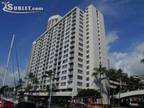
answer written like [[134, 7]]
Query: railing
[[129, 94]]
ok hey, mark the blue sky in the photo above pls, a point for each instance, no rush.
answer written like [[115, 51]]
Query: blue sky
[[124, 23]]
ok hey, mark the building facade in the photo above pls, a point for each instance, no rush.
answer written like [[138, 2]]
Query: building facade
[[72, 46]]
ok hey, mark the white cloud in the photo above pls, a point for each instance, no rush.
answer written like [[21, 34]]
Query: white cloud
[[112, 36], [140, 48], [129, 61]]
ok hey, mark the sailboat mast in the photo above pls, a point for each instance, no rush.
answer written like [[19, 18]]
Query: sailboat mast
[[8, 59]]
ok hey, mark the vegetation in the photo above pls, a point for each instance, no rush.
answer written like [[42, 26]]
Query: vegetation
[[32, 79], [6, 90], [88, 93], [99, 72], [50, 75], [128, 83], [142, 60], [134, 84], [2, 89]]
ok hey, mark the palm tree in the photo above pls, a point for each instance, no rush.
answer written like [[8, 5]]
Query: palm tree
[[32, 79], [35, 82], [99, 72], [3, 89], [112, 74], [49, 74], [142, 60]]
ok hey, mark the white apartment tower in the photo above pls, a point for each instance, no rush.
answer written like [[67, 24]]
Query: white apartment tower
[[72, 46]]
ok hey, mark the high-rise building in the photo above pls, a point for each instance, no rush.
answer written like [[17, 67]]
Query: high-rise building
[[72, 46]]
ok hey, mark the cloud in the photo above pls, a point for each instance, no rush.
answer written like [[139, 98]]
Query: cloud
[[129, 61], [140, 48], [112, 36]]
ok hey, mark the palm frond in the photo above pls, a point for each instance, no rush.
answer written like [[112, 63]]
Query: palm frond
[[142, 60]]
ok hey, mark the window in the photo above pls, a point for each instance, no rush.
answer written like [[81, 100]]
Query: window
[[87, 51], [79, 77], [79, 83], [87, 56], [73, 28], [66, 55], [80, 34], [88, 67], [81, 39], [72, 33], [87, 72], [80, 49], [87, 85], [87, 25], [64, 72], [87, 61], [80, 54], [66, 46], [63, 77], [63, 83], [66, 50], [80, 44], [64, 66], [87, 46], [80, 71], [64, 61], [80, 59], [80, 65], [87, 79]]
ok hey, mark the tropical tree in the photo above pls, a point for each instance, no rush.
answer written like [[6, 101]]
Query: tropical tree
[[3, 89], [134, 84], [88, 93], [112, 74], [50, 75], [32, 79], [98, 74], [35, 82], [142, 60]]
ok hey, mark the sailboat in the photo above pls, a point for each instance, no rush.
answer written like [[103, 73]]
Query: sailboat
[[7, 102]]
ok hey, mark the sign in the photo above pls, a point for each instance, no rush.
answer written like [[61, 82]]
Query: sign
[[20, 9]]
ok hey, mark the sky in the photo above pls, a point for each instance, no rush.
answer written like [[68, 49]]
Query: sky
[[124, 25]]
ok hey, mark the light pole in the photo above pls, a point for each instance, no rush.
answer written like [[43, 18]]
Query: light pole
[[51, 77], [119, 91]]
